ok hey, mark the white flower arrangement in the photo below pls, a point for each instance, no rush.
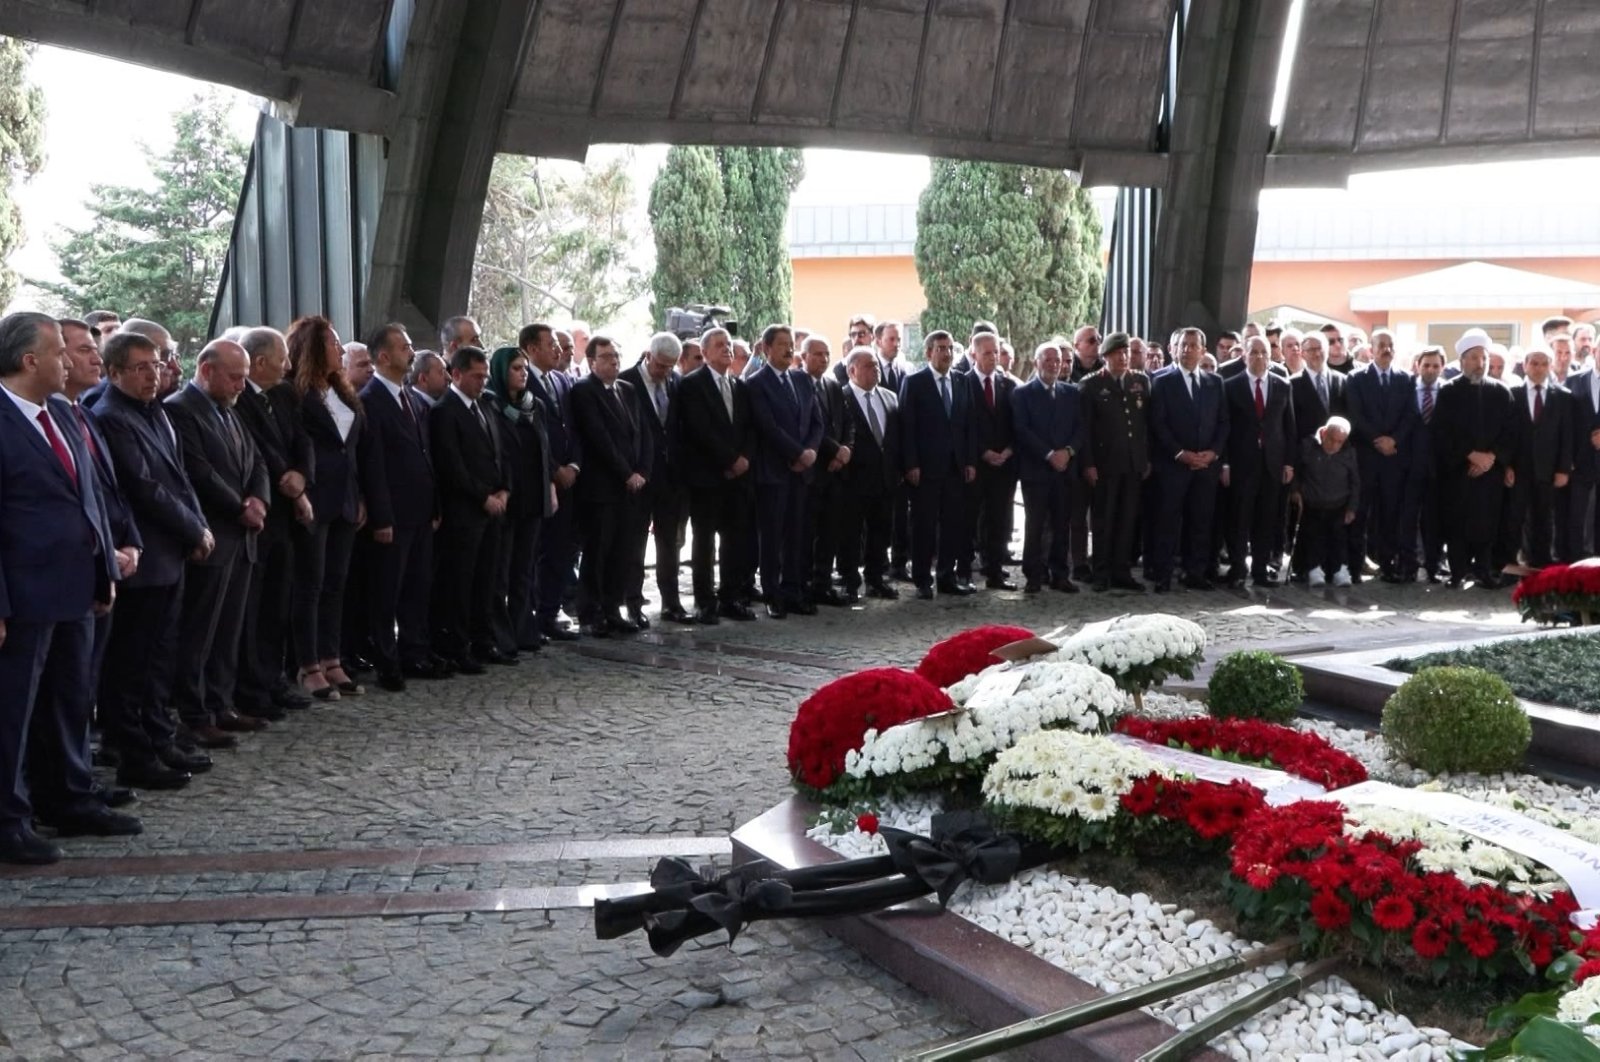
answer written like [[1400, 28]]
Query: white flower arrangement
[[1138, 650], [1472, 859], [1068, 775], [1047, 693], [1581, 1004]]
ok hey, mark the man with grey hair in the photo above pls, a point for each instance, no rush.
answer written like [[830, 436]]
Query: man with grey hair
[[1542, 461], [357, 365], [870, 484], [455, 333], [833, 457], [1328, 480], [230, 479], [428, 379], [661, 505]]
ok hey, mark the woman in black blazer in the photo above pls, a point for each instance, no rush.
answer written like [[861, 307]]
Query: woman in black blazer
[[333, 419], [526, 452]]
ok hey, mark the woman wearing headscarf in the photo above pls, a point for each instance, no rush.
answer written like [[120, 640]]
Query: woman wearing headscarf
[[532, 499]]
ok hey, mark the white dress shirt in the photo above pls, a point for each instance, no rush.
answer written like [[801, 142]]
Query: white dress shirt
[[30, 413]]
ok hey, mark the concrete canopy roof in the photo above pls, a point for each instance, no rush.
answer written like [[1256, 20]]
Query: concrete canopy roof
[[1475, 285]]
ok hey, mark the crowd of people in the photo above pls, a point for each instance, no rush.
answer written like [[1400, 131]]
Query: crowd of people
[[182, 561]]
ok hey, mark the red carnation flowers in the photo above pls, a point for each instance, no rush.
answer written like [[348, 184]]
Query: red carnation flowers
[[1545, 594], [1304, 755], [967, 653], [835, 719]]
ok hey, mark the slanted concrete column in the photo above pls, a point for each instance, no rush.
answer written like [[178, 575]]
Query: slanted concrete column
[[1205, 241]]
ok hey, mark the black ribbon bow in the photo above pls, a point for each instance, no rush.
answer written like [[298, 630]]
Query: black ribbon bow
[[962, 847]]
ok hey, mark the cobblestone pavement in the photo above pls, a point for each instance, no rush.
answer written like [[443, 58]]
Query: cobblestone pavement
[[679, 733]]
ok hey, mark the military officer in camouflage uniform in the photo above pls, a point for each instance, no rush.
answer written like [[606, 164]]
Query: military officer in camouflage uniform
[[1115, 403]]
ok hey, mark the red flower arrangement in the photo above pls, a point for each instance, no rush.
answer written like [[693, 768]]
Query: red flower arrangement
[[1212, 810], [967, 653], [867, 822], [1295, 867], [834, 720], [1560, 590], [1307, 756]]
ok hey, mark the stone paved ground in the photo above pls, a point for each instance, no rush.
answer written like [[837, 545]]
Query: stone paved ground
[[681, 738]]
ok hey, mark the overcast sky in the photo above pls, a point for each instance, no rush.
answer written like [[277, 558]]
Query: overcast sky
[[100, 111]]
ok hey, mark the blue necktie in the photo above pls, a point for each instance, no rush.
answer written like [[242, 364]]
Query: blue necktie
[[944, 393]]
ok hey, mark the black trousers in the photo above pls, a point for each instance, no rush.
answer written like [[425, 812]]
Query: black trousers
[[316, 601], [557, 549], [824, 517], [398, 581], [1321, 542], [1470, 511], [264, 632], [1183, 528], [1529, 522], [1046, 528], [1079, 518], [1379, 519], [518, 624], [607, 555], [866, 524], [994, 493], [1583, 520], [660, 515], [719, 558], [60, 772], [205, 665], [23, 658], [1116, 520], [138, 671], [467, 573], [1257, 493], [940, 532], [900, 530], [782, 527]]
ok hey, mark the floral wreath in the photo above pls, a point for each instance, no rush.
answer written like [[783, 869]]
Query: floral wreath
[[1304, 755]]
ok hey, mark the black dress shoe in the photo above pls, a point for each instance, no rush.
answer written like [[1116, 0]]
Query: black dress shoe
[[20, 846], [900, 573], [735, 611], [1033, 586], [597, 629], [924, 593], [1162, 586], [239, 723], [356, 662], [1066, 586], [392, 681], [1490, 581], [707, 617], [1102, 585], [640, 621], [949, 586], [96, 821], [104, 757], [999, 582], [831, 597], [618, 625], [1127, 582], [1200, 582], [493, 655], [559, 634], [882, 591], [777, 610], [205, 737], [1081, 571], [467, 666], [150, 774], [1268, 581], [676, 614], [291, 697], [852, 597], [803, 608], [270, 712], [425, 670], [114, 796], [179, 760]]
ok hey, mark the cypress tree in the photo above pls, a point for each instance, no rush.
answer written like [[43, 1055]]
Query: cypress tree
[[757, 183], [21, 148], [689, 217]]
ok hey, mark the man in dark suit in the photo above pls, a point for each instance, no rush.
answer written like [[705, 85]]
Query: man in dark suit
[[1077, 364], [59, 776], [1258, 464], [788, 424], [717, 440], [1049, 423], [870, 484], [1583, 508], [1189, 427], [402, 511], [136, 681], [473, 493], [1474, 441], [994, 493], [939, 452], [57, 568], [1383, 412], [558, 539], [1420, 527], [1319, 392], [661, 505], [267, 407], [1116, 459], [230, 479], [833, 459], [1542, 463], [616, 447]]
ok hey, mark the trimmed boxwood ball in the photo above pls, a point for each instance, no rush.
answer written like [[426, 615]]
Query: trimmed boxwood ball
[[1451, 719], [1254, 684]]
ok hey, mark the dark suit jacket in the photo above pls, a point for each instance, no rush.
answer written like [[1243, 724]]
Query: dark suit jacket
[[336, 493], [873, 470], [890, 375], [938, 443], [223, 476], [615, 444], [1267, 443], [837, 427], [1378, 411], [149, 465], [1236, 367], [1585, 420], [124, 531], [1309, 412], [992, 428], [396, 472], [663, 474], [273, 420], [1545, 448], [1179, 422], [565, 449], [50, 529], [709, 441], [466, 458], [1045, 423], [788, 422], [1473, 417]]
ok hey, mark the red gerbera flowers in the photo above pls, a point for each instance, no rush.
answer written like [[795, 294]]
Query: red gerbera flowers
[[1393, 913], [1429, 940], [1479, 940], [1329, 911]]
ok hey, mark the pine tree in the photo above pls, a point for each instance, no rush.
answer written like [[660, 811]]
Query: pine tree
[[689, 217], [21, 148], [1016, 245], [157, 253], [757, 183]]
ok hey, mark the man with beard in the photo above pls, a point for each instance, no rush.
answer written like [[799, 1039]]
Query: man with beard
[[1474, 442]]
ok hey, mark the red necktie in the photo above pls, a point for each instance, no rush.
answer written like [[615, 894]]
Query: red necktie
[[1261, 403], [1538, 402], [88, 439], [988, 391], [58, 446]]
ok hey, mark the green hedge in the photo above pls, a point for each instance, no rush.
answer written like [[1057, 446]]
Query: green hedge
[[1564, 670]]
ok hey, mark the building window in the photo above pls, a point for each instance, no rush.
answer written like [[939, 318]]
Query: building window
[[1446, 334]]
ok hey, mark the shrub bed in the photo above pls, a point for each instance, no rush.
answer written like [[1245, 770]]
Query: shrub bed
[[1563, 671]]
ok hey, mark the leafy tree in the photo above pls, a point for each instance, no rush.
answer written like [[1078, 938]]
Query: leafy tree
[[553, 248], [757, 183], [1016, 245], [689, 217], [158, 252], [21, 147]]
